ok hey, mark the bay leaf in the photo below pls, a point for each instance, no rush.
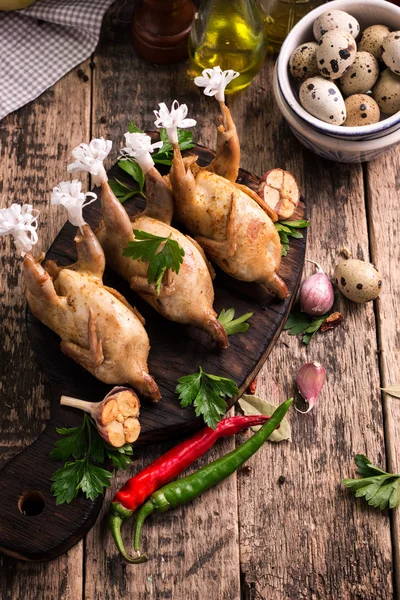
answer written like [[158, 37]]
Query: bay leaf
[[393, 390], [253, 405]]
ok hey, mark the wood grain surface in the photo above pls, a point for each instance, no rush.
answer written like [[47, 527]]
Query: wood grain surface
[[383, 185], [34, 142], [257, 536]]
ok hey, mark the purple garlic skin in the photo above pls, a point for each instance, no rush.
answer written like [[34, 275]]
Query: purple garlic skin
[[310, 381], [316, 295]]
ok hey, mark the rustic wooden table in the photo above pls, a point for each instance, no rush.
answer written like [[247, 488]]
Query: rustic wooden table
[[284, 528]]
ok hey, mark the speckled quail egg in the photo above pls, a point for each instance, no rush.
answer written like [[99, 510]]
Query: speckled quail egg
[[336, 52], [322, 99], [335, 19], [391, 51], [359, 281], [303, 61], [386, 92], [372, 40], [361, 110], [361, 76]]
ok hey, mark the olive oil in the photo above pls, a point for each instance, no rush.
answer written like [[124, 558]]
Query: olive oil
[[283, 16], [229, 34]]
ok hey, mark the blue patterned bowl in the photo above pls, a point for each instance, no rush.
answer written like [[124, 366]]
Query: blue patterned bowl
[[337, 149], [367, 12]]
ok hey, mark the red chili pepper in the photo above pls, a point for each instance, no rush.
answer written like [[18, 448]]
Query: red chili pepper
[[138, 488]]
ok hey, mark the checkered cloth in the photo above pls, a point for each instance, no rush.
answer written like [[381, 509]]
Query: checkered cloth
[[39, 44]]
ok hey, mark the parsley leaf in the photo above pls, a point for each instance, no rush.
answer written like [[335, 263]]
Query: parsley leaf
[[85, 444], [380, 489], [73, 444], [133, 169], [94, 480], [122, 191], [120, 457], [207, 394], [165, 154], [288, 229], [162, 157], [133, 129], [146, 247], [299, 322], [231, 325], [66, 481]]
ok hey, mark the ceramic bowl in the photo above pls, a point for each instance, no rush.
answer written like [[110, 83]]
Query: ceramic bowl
[[337, 149], [367, 12]]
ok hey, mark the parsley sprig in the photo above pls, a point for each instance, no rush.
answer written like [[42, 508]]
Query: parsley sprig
[[231, 325], [122, 191], [299, 322], [146, 247], [162, 157], [288, 229], [380, 489], [84, 473], [207, 394]]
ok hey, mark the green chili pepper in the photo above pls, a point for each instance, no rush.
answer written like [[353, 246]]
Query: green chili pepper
[[184, 490]]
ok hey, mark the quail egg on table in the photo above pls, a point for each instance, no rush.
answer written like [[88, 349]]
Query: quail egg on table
[[322, 99], [361, 76], [361, 110], [386, 92], [359, 281], [303, 61], [372, 40], [336, 52], [335, 19], [391, 51]]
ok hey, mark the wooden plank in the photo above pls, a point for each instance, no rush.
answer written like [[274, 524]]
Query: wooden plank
[[384, 222], [194, 548], [35, 142], [302, 535]]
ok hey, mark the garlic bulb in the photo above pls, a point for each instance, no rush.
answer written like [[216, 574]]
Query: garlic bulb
[[115, 417], [316, 293]]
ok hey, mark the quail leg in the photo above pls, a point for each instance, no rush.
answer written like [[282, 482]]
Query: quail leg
[[116, 219], [222, 248], [140, 285], [41, 294], [88, 358], [159, 199], [227, 158]]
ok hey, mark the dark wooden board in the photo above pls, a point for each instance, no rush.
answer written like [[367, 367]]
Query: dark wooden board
[[175, 351]]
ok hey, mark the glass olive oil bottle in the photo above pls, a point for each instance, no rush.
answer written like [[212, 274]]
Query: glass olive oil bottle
[[231, 34], [283, 16]]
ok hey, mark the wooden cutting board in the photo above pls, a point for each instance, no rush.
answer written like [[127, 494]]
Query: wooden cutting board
[[32, 527]]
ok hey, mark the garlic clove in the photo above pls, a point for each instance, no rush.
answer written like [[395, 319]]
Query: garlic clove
[[128, 404], [270, 196], [274, 178], [109, 412], [115, 434], [131, 430], [310, 380]]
